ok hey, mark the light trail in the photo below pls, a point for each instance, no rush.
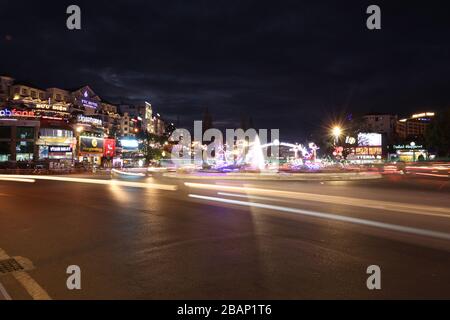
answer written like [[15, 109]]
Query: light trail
[[131, 184], [17, 180], [247, 196], [355, 202], [431, 174], [125, 173], [329, 216]]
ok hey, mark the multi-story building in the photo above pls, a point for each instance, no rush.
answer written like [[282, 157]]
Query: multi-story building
[[146, 118], [125, 125], [5, 84], [86, 101], [26, 93], [159, 126], [380, 123], [415, 125], [110, 117], [65, 125]]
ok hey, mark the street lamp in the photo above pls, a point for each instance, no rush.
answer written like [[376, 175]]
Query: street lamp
[[336, 132]]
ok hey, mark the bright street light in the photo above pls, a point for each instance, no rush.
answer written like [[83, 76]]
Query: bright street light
[[336, 132]]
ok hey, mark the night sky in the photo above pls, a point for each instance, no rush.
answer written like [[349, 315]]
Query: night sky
[[292, 65]]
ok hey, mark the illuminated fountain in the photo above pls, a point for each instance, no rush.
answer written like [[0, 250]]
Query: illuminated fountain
[[255, 157], [235, 158]]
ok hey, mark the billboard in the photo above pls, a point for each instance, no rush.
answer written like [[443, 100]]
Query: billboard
[[369, 140], [59, 149], [129, 144], [91, 145], [110, 147]]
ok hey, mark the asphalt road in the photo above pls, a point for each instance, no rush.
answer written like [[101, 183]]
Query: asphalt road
[[255, 240]]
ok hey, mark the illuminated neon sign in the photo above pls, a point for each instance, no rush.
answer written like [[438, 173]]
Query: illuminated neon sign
[[16, 113], [59, 149], [89, 103], [89, 120], [52, 107]]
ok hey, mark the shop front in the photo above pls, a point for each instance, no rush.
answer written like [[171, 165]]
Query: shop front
[[90, 150], [411, 152], [18, 139], [56, 140]]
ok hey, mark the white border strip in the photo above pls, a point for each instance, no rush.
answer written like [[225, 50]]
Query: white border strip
[[4, 293]]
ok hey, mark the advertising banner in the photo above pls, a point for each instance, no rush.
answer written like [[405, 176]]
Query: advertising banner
[[110, 148], [91, 145], [59, 149], [369, 140]]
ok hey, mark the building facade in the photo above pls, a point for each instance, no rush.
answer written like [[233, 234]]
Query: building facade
[[71, 125], [414, 126], [381, 123]]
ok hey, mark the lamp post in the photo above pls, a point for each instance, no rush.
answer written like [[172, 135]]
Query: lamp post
[[336, 132]]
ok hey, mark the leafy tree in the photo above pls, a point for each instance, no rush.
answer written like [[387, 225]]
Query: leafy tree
[[437, 135], [152, 145]]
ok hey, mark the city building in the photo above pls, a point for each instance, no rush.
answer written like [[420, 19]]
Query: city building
[[5, 85], [380, 123], [414, 126], [86, 101], [159, 125], [64, 126], [26, 93]]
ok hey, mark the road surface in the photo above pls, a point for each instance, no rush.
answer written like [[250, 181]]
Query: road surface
[[226, 240]]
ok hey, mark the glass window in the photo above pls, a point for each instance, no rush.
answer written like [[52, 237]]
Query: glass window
[[5, 132], [24, 147], [48, 132], [5, 148], [25, 132]]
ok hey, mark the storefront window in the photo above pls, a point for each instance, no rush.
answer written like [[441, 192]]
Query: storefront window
[[25, 132], [48, 132], [43, 152], [5, 132], [24, 150], [5, 151]]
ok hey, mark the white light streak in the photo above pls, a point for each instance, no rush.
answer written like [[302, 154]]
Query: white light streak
[[131, 184], [329, 216]]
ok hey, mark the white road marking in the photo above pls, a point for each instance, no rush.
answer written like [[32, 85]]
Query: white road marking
[[27, 282], [4, 293], [32, 287], [329, 216]]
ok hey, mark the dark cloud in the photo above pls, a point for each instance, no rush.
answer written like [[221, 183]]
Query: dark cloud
[[288, 64]]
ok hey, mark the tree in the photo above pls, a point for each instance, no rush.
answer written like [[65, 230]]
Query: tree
[[152, 145], [437, 135]]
